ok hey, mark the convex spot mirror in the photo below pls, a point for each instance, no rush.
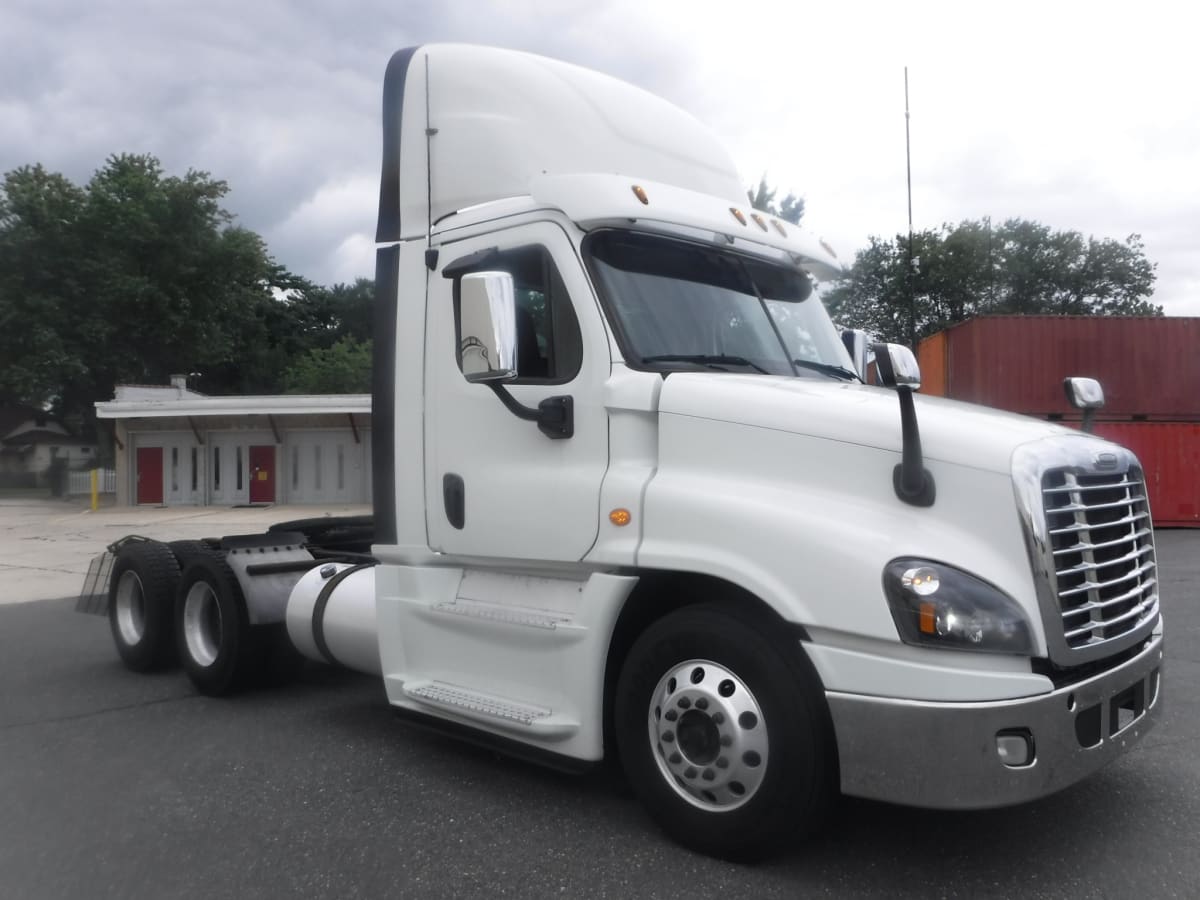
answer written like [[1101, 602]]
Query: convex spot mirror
[[1084, 393], [858, 345], [897, 367], [488, 327]]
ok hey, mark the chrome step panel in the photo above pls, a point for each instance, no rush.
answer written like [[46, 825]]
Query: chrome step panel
[[538, 721], [505, 615], [488, 636]]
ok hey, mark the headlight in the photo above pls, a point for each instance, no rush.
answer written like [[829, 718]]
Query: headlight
[[935, 605]]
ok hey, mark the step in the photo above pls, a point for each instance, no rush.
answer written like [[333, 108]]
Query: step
[[497, 711], [507, 615]]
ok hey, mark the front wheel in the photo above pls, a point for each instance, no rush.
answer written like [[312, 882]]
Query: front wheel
[[723, 733]]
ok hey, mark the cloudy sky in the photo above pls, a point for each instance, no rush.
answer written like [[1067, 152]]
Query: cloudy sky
[[1082, 116]]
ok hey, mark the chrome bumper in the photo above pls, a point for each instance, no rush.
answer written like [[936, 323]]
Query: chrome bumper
[[945, 756]]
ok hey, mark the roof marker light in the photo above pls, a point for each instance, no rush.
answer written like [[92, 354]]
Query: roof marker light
[[828, 249], [782, 231], [737, 214], [640, 193], [759, 221]]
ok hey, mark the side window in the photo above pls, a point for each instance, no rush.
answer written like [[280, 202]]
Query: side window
[[549, 344]]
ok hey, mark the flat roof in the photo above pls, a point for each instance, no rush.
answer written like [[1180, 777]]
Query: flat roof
[[280, 404]]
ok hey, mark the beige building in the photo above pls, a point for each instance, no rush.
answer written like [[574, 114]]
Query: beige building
[[175, 447]]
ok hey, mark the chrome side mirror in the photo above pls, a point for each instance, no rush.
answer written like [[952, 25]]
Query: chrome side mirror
[[1084, 393], [897, 367], [1087, 395], [488, 327]]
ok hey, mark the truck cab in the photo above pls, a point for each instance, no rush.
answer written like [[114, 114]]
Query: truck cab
[[625, 430]]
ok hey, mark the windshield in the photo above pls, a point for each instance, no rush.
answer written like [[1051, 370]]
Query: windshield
[[680, 304]]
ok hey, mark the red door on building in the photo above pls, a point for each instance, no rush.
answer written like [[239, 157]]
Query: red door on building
[[149, 475], [262, 474]]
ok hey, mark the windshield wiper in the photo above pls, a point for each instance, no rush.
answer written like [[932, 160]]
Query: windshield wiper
[[706, 359], [827, 369]]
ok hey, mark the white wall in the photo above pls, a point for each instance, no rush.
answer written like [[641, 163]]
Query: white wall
[[325, 466], [229, 465]]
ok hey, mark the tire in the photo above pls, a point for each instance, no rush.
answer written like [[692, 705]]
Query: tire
[[347, 534], [186, 551], [724, 734], [141, 605], [218, 649]]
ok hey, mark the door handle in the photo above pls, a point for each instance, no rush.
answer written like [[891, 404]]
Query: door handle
[[454, 499]]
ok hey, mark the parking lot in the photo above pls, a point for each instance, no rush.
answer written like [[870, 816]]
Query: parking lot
[[121, 785]]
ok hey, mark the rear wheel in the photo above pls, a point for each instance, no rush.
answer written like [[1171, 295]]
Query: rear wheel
[[217, 646], [141, 604], [186, 551], [723, 733]]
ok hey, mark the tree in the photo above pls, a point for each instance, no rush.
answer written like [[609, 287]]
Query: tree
[[974, 269], [762, 198], [344, 368], [133, 277], [38, 212]]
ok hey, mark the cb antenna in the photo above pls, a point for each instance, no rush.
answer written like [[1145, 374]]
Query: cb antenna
[[912, 297]]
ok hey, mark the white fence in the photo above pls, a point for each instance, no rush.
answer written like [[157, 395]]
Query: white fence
[[81, 482]]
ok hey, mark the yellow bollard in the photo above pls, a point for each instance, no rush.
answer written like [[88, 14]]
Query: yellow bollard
[[95, 489]]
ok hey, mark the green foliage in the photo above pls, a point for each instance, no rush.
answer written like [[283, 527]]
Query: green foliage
[[790, 209], [344, 368], [973, 269], [38, 212], [138, 275]]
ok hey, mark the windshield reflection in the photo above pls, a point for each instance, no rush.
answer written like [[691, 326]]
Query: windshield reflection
[[683, 305]]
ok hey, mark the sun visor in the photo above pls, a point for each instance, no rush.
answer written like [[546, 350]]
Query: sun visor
[[596, 200]]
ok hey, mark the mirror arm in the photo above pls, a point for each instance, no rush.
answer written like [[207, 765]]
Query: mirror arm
[[555, 416], [1089, 415], [912, 481]]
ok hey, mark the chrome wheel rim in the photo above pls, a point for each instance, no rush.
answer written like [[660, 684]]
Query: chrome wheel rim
[[131, 608], [708, 735], [202, 623]]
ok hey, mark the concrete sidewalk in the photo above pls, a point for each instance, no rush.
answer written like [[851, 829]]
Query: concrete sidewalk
[[46, 545]]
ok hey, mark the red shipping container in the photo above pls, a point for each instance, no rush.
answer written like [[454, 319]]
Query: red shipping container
[[931, 357], [1148, 365], [1170, 457]]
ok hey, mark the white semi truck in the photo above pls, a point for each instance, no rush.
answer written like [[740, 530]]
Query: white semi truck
[[632, 498]]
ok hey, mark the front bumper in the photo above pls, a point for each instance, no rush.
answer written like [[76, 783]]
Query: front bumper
[[944, 755]]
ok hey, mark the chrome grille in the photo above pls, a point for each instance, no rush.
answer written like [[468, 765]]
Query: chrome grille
[[1102, 547]]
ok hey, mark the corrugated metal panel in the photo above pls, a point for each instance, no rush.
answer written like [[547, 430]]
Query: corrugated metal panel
[[1170, 456], [1148, 365], [931, 356]]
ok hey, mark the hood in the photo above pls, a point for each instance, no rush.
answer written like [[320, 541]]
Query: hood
[[951, 431]]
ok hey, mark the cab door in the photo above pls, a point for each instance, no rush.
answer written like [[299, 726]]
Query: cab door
[[496, 486]]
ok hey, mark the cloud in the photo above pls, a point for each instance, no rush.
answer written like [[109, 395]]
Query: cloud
[[1081, 116]]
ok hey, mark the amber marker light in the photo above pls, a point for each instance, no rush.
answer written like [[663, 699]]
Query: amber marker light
[[640, 193], [782, 231], [737, 214], [928, 618], [620, 517], [759, 221]]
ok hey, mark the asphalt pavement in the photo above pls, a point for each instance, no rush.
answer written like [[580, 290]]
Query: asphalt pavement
[[128, 786]]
